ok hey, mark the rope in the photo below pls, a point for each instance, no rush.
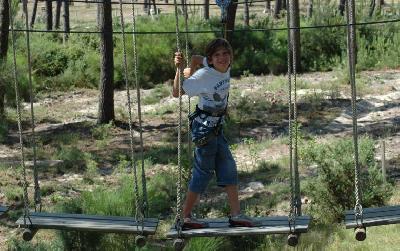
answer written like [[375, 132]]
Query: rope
[[136, 189], [179, 217], [213, 31], [189, 140], [351, 36], [145, 204], [295, 148], [289, 74], [19, 120], [37, 197], [295, 202]]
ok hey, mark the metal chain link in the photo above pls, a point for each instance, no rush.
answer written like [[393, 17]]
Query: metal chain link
[[179, 217], [37, 195], [351, 36], [138, 212], [19, 119]]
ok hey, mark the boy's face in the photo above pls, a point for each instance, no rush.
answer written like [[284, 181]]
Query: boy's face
[[221, 59]]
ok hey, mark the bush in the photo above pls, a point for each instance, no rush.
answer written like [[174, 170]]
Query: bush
[[332, 191]]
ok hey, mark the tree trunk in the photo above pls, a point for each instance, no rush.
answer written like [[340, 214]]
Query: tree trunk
[[34, 9], [154, 7], [49, 15], [58, 14], [230, 20], [4, 24], [310, 8], [342, 7], [371, 8], [66, 20], [278, 7], [146, 6], [106, 97], [267, 8], [206, 9], [283, 4], [246, 13], [295, 33], [379, 7]]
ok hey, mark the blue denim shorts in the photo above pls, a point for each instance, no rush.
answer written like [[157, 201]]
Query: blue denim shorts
[[213, 157]]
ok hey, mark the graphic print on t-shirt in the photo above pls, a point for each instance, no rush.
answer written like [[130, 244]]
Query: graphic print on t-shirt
[[212, 88]]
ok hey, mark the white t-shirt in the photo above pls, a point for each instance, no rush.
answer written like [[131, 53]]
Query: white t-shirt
[[212, 88]]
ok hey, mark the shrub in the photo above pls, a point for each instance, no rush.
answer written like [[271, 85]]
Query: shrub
[[332, 191]]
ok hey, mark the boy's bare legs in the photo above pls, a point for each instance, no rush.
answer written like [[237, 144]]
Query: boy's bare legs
[[188, 221], [190, 202], [237, 219], [233, 199]]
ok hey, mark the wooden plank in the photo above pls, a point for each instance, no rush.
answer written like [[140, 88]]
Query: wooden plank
[[88, 223], [87, 216], [375, 214], [374, 209], [374, 217], [217, 227]]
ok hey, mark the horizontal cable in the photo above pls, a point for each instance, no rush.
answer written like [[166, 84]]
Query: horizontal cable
[[212, 31], [167, 4]]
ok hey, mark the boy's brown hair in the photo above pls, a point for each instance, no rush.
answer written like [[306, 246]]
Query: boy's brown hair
[[215, 45]]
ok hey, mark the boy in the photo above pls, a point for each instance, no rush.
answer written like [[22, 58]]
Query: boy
[[211, 153]]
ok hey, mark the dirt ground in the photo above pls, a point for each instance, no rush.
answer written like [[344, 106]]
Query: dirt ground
[[379, 116]]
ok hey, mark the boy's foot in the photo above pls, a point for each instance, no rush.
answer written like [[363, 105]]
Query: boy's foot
[[242, 220], [193, 223]]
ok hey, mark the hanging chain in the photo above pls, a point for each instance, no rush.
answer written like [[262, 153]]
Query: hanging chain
[[145, 205], [179, 217], [37, 196], [138, 212], [351, 37], [19, 119]]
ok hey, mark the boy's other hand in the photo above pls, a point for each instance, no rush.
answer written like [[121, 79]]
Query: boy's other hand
[[178, 59], [187, 72]]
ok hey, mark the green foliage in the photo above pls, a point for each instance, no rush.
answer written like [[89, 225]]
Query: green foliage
[[76, 63], [17, 244], [209, 244], [332, 191], [72, 157], [49, 58], [158, 92], [119, 201]]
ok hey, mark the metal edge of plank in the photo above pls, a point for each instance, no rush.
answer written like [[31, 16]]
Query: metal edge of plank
[[374, 209], [88, 216], [235, 231]]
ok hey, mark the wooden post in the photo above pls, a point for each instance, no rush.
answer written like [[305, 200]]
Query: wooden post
[[383, 160]]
